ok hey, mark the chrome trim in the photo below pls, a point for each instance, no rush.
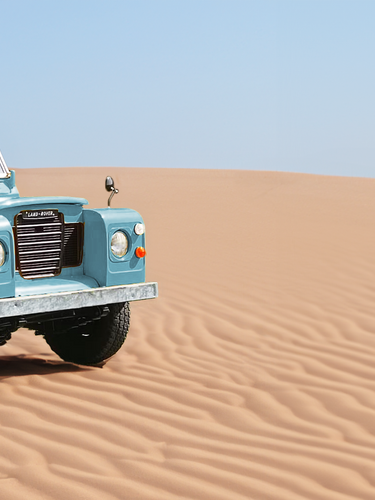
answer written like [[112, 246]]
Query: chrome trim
[[39, 243], [40, 260], [39, 251], [40, 225], [47, 233], [32, 304], [40, 276], [43, 269], [42, 232]]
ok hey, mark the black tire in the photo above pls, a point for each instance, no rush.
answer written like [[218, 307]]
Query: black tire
[[95, 343], [4, 337]]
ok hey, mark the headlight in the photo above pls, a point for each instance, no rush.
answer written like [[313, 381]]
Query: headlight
[[2, 254], [119, 244], [139, 229]]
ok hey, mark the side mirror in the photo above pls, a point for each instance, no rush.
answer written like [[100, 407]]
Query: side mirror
[[110, 186]]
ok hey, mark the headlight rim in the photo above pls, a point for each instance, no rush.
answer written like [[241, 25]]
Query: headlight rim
[[3, 253], [120, 255]]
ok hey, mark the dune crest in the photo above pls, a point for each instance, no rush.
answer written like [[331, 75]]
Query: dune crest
[[252, 376]]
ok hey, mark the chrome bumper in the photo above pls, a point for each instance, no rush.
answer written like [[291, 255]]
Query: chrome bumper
[[33, 304]]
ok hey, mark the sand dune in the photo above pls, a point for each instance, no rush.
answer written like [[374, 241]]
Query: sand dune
[[252, 376]]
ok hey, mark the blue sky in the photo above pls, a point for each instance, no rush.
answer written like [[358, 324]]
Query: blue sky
[[262, 85]]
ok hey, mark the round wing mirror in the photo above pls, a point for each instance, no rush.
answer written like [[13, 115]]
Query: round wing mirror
[[109, 184]]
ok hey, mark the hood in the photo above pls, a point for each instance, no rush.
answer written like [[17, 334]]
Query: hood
[[9, 196], [8, 202]]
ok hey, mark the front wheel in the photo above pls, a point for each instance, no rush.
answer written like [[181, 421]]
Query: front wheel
[[94, 343]]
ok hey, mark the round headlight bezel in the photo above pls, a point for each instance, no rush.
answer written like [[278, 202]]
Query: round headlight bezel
[[3, 254], [120, 247]]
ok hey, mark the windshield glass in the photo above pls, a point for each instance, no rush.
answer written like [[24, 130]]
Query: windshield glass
[[4, 171]]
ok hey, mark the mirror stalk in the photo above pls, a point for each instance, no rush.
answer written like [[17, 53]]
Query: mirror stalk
[[110, 186]]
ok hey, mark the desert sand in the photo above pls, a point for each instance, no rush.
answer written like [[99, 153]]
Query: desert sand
[[252, 376]]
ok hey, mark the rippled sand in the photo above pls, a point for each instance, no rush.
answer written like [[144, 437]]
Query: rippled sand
[[252, 376]]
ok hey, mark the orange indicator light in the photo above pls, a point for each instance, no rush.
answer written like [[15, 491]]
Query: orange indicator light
[[140, 252]]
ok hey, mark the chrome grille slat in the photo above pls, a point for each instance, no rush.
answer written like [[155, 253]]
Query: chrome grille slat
[[40, 225], [39, 276], [38, 243], [37, 251], [41, 260], [41, 233]]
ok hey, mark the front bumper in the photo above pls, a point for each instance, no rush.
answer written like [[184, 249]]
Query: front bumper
[[34, 304]]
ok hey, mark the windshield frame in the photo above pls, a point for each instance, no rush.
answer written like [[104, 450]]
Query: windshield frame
[[4, 170]]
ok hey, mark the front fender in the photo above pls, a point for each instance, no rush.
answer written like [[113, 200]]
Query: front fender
[[7, 270], [98, 260]]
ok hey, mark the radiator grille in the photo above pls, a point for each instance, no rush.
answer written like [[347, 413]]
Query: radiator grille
[[72, 245], [44, 244]]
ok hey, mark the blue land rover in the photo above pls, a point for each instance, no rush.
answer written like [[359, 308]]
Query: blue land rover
[[69, 272]]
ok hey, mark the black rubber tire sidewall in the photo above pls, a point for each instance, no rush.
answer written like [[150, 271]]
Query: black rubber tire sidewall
[[96, 343]]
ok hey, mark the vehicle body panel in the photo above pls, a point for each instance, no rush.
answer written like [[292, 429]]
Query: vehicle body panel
[[99, 267]]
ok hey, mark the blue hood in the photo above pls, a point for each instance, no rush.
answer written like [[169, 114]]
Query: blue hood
[[9, 202]]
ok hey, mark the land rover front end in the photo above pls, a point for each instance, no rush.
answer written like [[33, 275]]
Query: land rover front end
[[69, 272]]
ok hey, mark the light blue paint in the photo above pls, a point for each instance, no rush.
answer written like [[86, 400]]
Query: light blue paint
[[52, 285], [100, 225], [9, 197], [40, 201], [99, 268], [8, 190], [7, 271]]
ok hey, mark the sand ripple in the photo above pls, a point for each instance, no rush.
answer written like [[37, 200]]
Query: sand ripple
[[249, 378]]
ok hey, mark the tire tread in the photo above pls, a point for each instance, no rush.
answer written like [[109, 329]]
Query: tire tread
[[93, 349]]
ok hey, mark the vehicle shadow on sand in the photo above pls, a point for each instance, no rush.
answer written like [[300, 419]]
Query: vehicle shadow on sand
[[21, 365]]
